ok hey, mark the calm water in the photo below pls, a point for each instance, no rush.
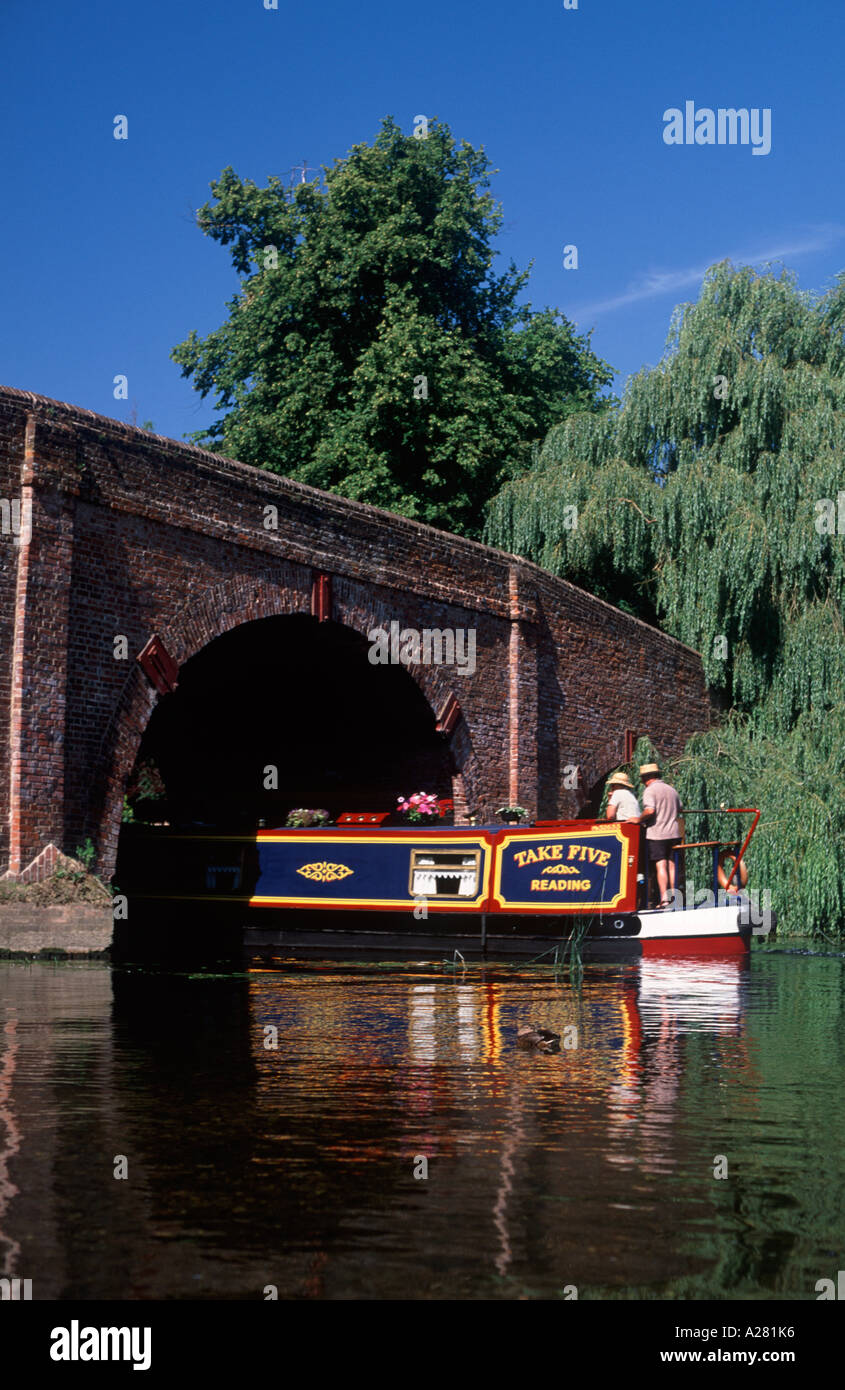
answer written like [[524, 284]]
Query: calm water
[[594, 1167]]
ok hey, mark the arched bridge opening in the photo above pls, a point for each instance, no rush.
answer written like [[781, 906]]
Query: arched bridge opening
[[282, 713]]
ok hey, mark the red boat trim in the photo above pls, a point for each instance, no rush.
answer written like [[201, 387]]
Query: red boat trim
[[694, 945]]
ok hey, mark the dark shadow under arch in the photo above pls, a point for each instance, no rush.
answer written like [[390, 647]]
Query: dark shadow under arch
[[296, 695]]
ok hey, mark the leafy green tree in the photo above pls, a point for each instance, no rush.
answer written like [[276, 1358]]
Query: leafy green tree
[[709, 500], [371, 349]]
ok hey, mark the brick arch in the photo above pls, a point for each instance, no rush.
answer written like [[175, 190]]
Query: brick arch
[[357, 606], [188, 631], [595, 769]]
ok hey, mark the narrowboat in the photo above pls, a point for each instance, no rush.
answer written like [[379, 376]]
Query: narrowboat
[[503, 890], [490, 890]]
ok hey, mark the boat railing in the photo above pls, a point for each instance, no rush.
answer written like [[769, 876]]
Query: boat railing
[[719, 845]]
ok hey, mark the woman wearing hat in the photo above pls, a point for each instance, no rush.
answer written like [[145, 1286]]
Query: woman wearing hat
[[621, 803]]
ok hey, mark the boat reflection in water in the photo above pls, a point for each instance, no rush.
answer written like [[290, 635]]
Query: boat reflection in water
[[551, 1170], [673, 998], [362, 1131]]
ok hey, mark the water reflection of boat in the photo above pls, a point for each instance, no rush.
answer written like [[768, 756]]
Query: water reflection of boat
[[704, 996], [588, 1137]]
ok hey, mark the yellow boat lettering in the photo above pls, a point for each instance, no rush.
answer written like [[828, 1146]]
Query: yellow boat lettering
[[533, 856], [590, 853], [553, 885]]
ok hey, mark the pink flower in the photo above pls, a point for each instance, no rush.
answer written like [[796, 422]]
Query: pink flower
[[420, 804]]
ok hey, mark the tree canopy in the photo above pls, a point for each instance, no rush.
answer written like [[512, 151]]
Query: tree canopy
[[371, 349], [709, 501]]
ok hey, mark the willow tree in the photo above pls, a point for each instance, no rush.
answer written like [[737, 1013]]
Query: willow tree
[[373, 349], [712, 501]]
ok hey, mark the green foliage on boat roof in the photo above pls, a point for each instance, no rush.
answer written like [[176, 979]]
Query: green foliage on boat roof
[[708, 501]]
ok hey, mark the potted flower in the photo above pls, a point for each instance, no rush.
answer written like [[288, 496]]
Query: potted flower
[[511, 813], [422, 806], [303, 816]]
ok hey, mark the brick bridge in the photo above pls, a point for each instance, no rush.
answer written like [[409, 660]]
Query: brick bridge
[[135, 537]]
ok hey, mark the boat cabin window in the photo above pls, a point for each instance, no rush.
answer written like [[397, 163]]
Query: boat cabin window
[[445, 873]]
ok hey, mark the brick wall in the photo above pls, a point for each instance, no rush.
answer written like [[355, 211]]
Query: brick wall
[[134, 535], [12, 443]]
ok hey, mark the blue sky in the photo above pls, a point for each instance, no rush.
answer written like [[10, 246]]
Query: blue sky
[[105, 271]]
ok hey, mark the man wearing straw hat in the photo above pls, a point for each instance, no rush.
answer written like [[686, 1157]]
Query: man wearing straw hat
[[661, 814], [621, 802]]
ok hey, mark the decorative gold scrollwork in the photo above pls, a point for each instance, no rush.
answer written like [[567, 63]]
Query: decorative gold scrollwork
[[325, 873]]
